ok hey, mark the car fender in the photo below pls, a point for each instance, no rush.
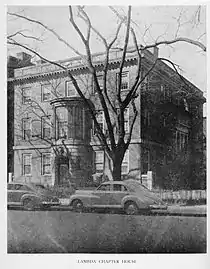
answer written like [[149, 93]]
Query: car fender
[[33, 197], [85, 199], [139, 202]]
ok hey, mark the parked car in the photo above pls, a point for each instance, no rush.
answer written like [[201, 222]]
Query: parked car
[[30, 196], [129, 195]]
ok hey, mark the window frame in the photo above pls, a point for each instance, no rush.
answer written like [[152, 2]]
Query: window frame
[[24, 165], [26, 100], [43, 164], [42, 92], [125, 162], [43, 122], [128, 84], [102, 122], [100, 78], [24, 130], [66, 89], [99, 162]]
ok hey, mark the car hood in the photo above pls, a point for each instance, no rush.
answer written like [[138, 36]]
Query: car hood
[[84, 192]]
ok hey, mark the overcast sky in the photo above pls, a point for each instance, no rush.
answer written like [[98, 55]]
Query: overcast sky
[[161, 22]]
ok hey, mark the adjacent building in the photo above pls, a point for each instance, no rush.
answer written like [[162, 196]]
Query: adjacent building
[[55, 140]]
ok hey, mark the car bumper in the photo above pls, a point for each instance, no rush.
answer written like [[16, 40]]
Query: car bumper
[[51, 203], [158, 207]]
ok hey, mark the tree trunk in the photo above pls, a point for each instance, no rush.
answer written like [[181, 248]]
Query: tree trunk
[[117, 170]]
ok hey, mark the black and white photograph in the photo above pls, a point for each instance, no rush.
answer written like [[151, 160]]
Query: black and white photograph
[[106, 130]]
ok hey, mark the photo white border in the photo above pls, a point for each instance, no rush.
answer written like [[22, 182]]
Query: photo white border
[[68, 261]]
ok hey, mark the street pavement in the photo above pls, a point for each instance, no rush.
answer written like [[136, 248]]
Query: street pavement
[[65, 231]]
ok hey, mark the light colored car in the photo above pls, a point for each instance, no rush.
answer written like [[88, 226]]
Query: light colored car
[[129, 195], [29, 196]]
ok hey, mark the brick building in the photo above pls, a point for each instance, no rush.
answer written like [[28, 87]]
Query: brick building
[[55, 139]]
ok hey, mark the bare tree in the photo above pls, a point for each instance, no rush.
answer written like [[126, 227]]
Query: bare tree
[[114, 104]]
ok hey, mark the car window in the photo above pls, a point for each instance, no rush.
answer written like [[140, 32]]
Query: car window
[[24, 188], [117, 187], [11, 186], [104, 187], [19, 187]]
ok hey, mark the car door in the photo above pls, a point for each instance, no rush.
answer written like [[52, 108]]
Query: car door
[[20, 190], [11, 195], [118, 193], [102, 196]]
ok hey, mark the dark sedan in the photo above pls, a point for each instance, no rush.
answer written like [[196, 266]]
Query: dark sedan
[[30, 196]]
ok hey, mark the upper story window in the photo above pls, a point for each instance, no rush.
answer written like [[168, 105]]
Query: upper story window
[[99, 161], [100, 120], [70, 89], [62, 122], [46, 127], [70, 122], [126, 120], [100, 82], [26, 161], [26, 128], [46, 163], [46, 92], [181, 140], [124, 81], [26, 95], [147, 117], [125, 163]]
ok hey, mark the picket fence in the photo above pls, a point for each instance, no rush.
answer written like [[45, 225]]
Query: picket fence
[[181, 195]]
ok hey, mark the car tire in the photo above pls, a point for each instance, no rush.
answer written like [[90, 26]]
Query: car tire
[[77, 205], [131, 208], [28, 204]]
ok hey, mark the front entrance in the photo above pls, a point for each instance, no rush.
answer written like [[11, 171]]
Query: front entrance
[[62, 174]]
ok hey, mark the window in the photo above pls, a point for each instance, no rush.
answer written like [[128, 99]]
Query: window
[[100, 82], [46, 163], [99, 161], [26, 164], [124, 81], [46, 92], [125, 163], [147, 117], [145, 82], [181, 140], [186, 106], [126, 120], [145, 160], [100, 120], [26, 95], [26, 125], [105, 187], [46, 127], [70, 89], [75, 122], [62, 122]]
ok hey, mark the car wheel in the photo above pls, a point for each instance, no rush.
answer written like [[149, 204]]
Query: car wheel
[[131, 208], [28, 204], [77, 205]]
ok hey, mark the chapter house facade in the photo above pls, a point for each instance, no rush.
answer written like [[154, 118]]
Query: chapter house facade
[[55, 140]]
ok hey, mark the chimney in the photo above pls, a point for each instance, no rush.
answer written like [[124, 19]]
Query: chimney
[[24, 58]]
